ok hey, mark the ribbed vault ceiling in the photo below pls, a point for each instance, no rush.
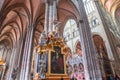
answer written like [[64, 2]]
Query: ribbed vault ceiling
[[18, 15], [111, 5]]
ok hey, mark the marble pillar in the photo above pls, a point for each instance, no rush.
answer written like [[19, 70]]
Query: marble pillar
[[18, 58], [91, 66], [27, 54], [52, 14], [5, 53], [14, 60], [8, 56], [36, 61], [46, 24], [2, 50], [11, 62]]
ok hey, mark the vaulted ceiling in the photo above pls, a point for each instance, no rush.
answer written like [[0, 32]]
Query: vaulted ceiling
[[111, 5], [17, 15]]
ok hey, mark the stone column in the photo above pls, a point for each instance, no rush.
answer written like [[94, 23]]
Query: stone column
[[8, 56], [106, 26], [54, 13], [11, 62], [46, 24], [2, 50], [18, 58], [14, 61], [27, 55], [91, 66], [5, 53], [50, 16], [36, 61]]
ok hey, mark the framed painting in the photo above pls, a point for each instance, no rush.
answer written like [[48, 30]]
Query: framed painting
[[57, 61]]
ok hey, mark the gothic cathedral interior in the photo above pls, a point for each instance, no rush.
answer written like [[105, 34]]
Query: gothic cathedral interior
[[59, 39]]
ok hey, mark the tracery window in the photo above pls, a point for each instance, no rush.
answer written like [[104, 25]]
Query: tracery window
[[89, 6], [70, 30]]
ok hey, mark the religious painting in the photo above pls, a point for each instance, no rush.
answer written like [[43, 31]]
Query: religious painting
[[57, 49], [57, 61]]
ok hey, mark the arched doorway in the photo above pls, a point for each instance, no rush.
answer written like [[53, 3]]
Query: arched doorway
[[102, 55]]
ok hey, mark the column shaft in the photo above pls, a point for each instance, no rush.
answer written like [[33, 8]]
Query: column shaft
[[46, 24], [36, 62], [50, 17], [91, 66], [5, 53], [54, 13], [26, 61], [22, 74], [11, 64], [18, 58], [109, 35]]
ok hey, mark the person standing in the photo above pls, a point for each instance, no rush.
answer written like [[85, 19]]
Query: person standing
[[117, 77]]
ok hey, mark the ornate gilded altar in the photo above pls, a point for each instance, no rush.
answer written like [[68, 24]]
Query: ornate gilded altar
[[55, 48]]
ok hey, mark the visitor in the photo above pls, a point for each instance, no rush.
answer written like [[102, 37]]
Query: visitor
[[83, 78], [111, 78], [73, 78], [117, 77], [75, 68]]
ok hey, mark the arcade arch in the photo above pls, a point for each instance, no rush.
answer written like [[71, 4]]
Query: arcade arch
[[102, 55]]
